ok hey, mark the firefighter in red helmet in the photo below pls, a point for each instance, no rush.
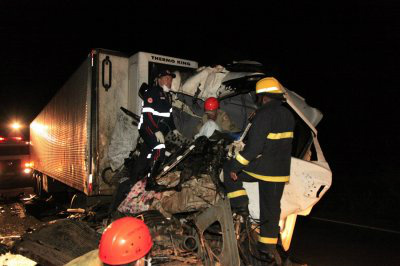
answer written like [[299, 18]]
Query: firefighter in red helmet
[[125, 242]]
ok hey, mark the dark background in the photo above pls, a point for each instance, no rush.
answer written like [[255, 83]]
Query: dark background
[[342, 57]]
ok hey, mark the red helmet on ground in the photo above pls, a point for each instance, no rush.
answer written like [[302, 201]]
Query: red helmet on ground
[[211, 104], [125, 240]]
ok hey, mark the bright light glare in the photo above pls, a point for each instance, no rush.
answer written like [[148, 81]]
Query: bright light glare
[[15, 125], [27, 170]]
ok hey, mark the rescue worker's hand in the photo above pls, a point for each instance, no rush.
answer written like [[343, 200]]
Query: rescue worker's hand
[[177, 133], [234, 176], [160, 137]]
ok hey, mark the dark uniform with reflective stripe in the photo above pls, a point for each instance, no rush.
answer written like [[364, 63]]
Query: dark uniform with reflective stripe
[[156, 112], [266, 160], [156, 116]]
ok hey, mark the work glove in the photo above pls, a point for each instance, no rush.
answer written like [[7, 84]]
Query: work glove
[[160, 137], [177, 133], [235, 147]]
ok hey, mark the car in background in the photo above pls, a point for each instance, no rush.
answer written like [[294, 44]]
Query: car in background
[[15, 164]]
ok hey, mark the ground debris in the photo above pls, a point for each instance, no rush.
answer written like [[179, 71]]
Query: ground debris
[[58, 242], [187, 260], [18, 209], [15, 222], [77, 210]]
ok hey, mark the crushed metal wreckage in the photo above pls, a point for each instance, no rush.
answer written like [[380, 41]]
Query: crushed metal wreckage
[[191, 223], [193, 170]]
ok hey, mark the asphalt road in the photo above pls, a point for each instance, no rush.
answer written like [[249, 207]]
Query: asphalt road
[[321, 242], [316, 241]]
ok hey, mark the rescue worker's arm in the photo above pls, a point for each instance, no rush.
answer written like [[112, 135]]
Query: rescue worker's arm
[[148, 112], [255, 143]]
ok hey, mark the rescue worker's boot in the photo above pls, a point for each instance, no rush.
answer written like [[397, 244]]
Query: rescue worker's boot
[[241, 208], [270, 255], [151, 183]]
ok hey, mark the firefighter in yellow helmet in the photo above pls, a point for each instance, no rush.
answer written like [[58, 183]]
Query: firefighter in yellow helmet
[[265, 159]]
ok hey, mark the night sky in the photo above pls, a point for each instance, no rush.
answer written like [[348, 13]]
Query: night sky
[[342, 57]]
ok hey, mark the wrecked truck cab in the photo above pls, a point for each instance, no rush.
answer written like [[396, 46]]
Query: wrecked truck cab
[[310, 178], [200, 171]]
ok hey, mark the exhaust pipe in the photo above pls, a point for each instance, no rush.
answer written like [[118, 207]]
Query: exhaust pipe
[[189, 243]]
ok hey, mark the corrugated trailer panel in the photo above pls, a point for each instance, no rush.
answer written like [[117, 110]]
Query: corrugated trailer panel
[[59, 134]]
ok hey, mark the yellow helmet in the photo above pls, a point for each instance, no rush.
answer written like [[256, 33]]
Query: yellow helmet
[[269, 85]]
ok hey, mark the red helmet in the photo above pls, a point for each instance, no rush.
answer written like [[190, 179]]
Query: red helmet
[[211, 104], [125, 240]]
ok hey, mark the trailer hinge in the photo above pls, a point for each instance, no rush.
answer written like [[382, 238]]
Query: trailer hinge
[[106, 63]]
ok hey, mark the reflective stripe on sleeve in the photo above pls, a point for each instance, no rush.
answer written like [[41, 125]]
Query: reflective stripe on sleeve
[[268, 240], [283, 135], [237, 193], [154, 112], [140, 122], [269, 178], [241, 159], [159, 146]]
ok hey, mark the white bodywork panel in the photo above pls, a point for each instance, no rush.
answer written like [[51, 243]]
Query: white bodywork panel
[[207, 79], [300, 193]]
